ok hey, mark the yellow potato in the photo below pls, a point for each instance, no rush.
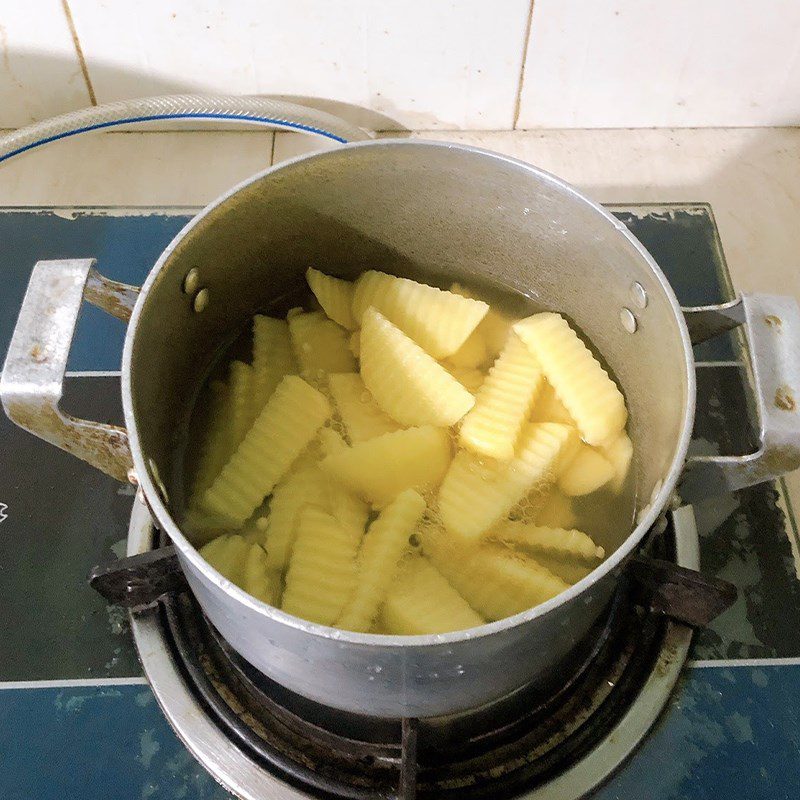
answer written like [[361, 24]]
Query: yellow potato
[[494, 327], [477, 492], [472, 354], [300, 488], [470, 379], [494, 580], [319, 345], [380, 468], [582, 385], [438, 321], [272, 358], [548, 408], [288, 422], [421, 601], [334, 295], [587, 472], [619, 454], [554, 540], [407, 383], [362, 416], [321, 577], [503, 402], [555, 511], [384, 545]]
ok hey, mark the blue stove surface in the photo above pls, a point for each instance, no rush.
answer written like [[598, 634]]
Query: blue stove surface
[[77, 719]]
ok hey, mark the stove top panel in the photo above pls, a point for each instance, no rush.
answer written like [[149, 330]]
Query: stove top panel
[[77, 719]]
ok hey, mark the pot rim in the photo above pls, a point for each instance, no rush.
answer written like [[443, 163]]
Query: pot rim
[[189, 553]]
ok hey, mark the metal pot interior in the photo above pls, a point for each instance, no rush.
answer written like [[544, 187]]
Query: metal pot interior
[[438, 213]]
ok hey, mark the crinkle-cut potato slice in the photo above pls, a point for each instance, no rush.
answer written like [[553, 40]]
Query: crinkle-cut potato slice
[[472, 354], [354, 343], [568, 569], [478, 492], [494, 327], [555, 511], [494, 580], [422, 601], [559, 541], [288, 422], [301, 487], [216, 444], [322, 570], [257, 579], [244, 564], [470, 379], [349, 509], [272, 358], [380, 468], [581, 383], [587, 472], [227, 554], [548, 408], [503, 402], [320, 345], [334, 295], [619, 453], [438, 321], [200, 526], [407, 383], [331, 441], [241, 396], [381, 550], [362, 416]]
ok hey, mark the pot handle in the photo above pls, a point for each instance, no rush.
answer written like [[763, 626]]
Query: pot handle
[[32, 381], [772, 327]]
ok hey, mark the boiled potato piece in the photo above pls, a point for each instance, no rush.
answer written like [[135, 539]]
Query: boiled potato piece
[[477, 492], [288, 422], [334, 295], [272, 358], [582, 385], [421, 601], [409, 385], [438, 321], [320, 345], [558, 541], [492, 426], [384, 545], [321, 577], [619, 454], [362, 416], [586, 473], [380, 468]]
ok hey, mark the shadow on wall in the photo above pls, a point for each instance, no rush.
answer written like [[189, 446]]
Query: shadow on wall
[[69, 98]]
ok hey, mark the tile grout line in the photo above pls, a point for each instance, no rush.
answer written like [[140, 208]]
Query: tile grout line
[[79, 51], [88, 373], [74, 683], [525, 48], [792, 661]]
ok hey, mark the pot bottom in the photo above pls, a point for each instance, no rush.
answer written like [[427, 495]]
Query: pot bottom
[[261, 740]]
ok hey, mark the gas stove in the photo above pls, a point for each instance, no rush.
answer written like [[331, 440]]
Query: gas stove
[[78, 717]]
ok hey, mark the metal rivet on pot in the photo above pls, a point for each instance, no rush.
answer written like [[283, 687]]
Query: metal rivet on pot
[[191, 281], [628, 320], [201, 300], [639, 295]]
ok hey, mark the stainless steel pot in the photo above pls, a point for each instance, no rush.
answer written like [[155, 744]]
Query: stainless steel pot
[[436, 212]]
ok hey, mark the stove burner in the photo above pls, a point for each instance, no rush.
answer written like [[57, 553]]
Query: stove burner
[[518, 746]]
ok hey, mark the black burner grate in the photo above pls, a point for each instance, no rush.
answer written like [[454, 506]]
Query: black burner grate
[[495, 752]]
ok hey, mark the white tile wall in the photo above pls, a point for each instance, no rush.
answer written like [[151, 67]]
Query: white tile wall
[[425, 63], [421, 64], [40, 75], [661, 63]]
